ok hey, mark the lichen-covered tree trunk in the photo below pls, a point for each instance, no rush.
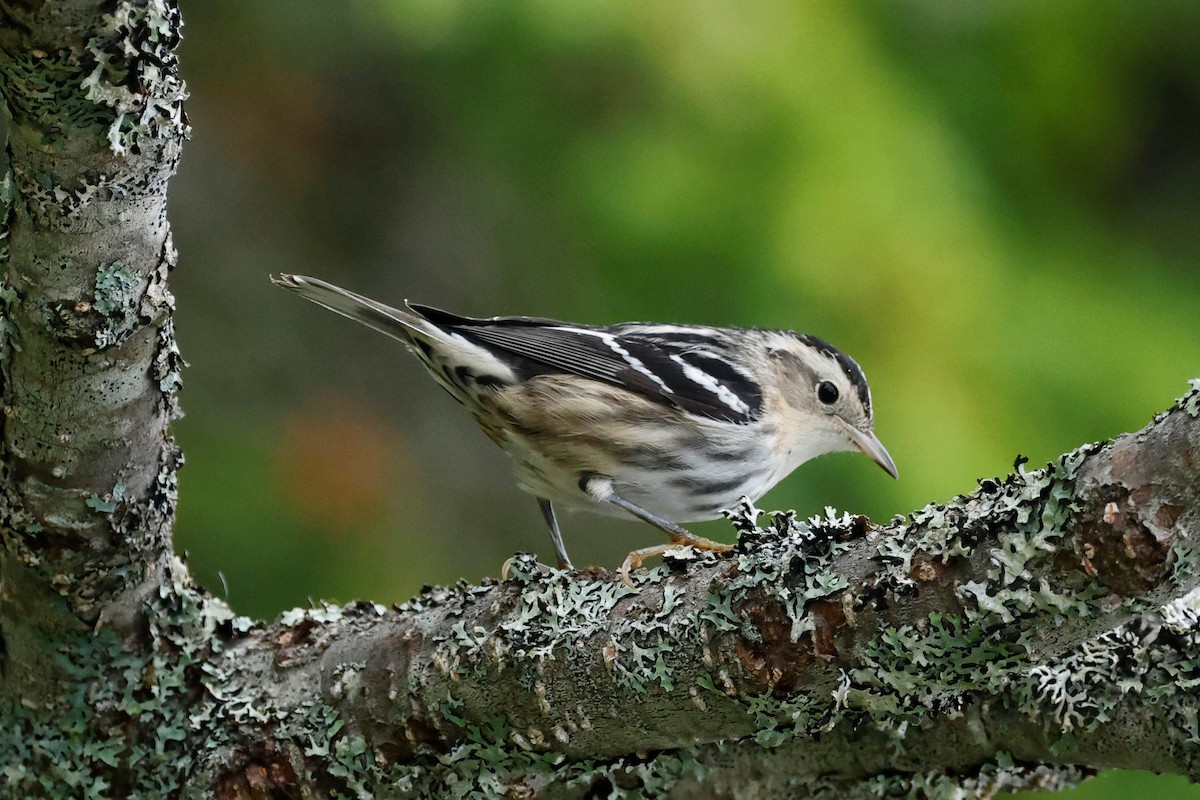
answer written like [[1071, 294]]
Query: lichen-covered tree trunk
[[1025, 635], [87, 354]]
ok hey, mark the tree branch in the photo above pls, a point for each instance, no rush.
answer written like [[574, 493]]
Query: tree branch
[[1022, 636], [1048, 618]]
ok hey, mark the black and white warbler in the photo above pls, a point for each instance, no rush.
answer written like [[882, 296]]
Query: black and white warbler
[[665, 423]]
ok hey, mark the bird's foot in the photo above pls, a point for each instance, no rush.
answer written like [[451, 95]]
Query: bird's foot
[[507, 566], [678, 541]]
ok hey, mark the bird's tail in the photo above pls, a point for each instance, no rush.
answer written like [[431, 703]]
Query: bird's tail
[[395, 322]]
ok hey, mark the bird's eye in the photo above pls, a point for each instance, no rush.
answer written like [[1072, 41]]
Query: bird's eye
[[827, 393]]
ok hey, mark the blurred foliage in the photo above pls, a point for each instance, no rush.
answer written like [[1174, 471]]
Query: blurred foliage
[[993, 206]]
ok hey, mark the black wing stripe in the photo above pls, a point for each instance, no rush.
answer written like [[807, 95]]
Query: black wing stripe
[[719, 368], [573, 352], [702, 380], [674, 367]]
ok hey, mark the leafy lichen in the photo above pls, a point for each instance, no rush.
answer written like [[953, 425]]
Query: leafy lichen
[[1160, 663], [915, 671], [127, 722], [1190, 402], [148, 34], [109, 502], [118, 292]]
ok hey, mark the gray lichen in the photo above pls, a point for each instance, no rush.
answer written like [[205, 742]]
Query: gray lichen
[[119, 89], [129, 721], [1190, 402], [118, 291], [147, 34]]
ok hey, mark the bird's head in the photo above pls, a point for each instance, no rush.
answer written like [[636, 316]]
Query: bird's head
[[827, 398]]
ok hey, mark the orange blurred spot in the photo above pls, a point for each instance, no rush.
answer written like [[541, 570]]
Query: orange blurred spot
[[251, 111], [339, 463]]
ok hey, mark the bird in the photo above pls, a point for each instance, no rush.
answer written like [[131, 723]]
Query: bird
[[665, 423]]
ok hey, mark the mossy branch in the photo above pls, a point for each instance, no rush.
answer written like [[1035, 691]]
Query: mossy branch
[[1025, 635]]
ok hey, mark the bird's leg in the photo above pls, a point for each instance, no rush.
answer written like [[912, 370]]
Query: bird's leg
[[680, 537], [600, 489], [560, 550]]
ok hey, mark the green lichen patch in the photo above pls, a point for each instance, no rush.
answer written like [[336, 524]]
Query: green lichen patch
[[1022, 523], [109, 503], [790, 596], [554, 607], [115, 87], [8, 295], [118, 729], [553, 610], [779, 720], [782, 604], [1013, 532], [135, 723], [787, 562], [908, 673], [991, 780], [118, 292], [168, 364], [51, 96], [8, 194]]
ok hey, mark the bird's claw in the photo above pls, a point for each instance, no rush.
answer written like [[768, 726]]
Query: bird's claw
[[506, 567], [637, 557]]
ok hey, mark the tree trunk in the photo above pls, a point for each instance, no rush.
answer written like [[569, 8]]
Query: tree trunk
[[1022, 636]]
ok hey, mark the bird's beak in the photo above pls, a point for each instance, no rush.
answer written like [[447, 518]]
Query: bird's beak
[[869, 444]]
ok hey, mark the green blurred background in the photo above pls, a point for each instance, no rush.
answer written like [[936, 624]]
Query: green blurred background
[[994, 206]]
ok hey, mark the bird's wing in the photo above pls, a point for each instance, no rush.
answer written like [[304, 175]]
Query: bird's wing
[[684, 366]]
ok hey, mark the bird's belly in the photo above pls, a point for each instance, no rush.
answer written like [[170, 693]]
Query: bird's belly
[[701, 494], [678, 489], [691, 498]]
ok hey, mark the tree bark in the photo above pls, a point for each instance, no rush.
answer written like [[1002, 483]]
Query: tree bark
[[87, 354], [1022, 636]]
